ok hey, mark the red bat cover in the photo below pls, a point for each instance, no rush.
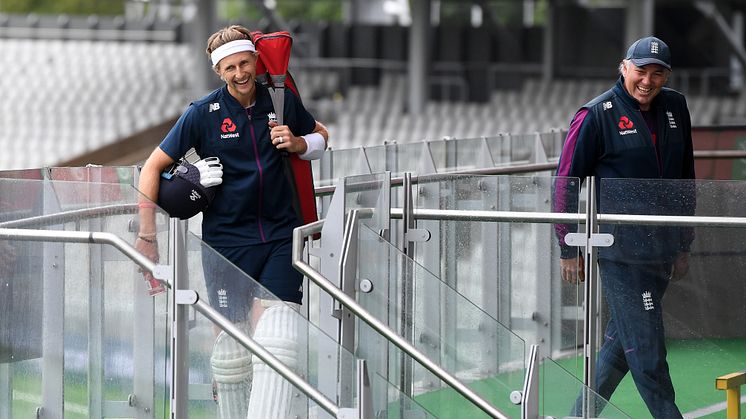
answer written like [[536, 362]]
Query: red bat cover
[[274, 57]]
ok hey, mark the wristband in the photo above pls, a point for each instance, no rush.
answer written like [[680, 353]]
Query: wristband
[[145, 204], [315, 146], [146, 239]]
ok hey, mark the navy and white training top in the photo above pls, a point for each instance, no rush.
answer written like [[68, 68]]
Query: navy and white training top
[[254, 204], [610, 138]]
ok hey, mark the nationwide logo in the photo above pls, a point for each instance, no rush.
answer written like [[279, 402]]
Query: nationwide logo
[[228, 128]]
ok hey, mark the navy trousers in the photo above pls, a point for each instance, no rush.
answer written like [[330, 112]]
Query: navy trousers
[[634, 340]]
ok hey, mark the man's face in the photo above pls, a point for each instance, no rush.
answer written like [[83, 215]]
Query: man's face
[[644, 83], [239, 72]]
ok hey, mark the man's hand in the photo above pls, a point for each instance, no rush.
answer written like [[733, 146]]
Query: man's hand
[[284, 140], [680, 266], [573, 270], [149, 248]]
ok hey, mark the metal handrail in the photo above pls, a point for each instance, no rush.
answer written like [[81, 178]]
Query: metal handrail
[[209, 312], [564, 218], [71, 215], [524, 168], [89, 237], [299, 235]]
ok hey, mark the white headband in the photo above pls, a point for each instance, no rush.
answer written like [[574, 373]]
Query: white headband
[[232, 47]]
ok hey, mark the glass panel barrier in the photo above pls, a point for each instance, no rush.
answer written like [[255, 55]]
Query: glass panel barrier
[[435, 156], [393, 404], [438, 156], [466, 154], [123, 175], [399, 158], [28, 174], [560, 394], [552, 143], [337, 164], [703, 312], [218, 365], [369, 192], [508, 268], [79, 334], [466, 341]]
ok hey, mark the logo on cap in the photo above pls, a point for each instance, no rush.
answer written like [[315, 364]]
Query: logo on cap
[[649, 50], [227, 126]]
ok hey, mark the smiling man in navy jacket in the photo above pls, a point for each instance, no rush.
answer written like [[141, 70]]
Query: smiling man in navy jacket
[[250, 221], [636, 129]]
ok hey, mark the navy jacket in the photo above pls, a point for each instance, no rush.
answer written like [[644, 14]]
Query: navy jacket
[[254, 204], [609, 139]]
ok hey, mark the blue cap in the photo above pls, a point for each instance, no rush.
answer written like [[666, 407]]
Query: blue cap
[[650, 50]]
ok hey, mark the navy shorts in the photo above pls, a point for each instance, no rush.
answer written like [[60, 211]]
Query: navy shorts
[[269, 264]]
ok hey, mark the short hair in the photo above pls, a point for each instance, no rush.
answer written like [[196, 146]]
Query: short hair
[[625, 61], [225, 35]]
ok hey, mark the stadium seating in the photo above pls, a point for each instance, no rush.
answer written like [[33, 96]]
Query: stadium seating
[[64, 98], [374, 115]]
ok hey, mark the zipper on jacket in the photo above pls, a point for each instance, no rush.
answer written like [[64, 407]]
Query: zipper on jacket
[[261, 176], [656, 141]]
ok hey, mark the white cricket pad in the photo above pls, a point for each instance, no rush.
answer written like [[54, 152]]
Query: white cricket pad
[[231, 370], [273, 397]]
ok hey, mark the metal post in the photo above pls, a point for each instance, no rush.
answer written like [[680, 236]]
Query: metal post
[[325, 172], [418, 56], [53, 328], [348, 274], [428, 255], [96, 315], [530, 396], [406, 296], [364, 396], [732, 383], [179, 322], [591, 302], [141, 402], [329, 322]]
